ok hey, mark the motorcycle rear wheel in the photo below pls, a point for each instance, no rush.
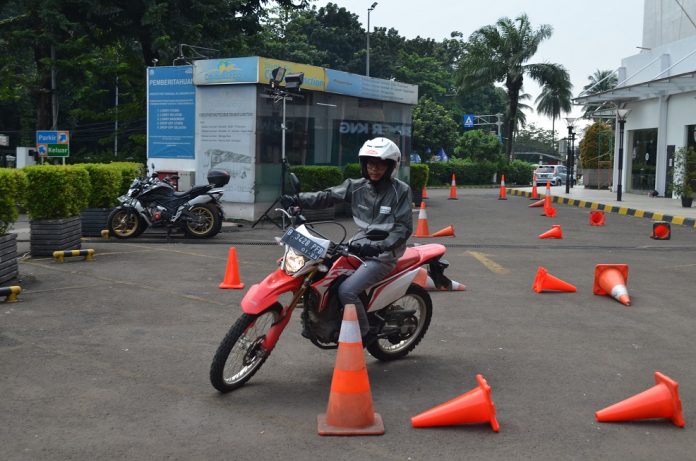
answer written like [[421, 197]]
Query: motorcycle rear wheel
[[241, 353], [124, 223], [207, 221], [392, 348]]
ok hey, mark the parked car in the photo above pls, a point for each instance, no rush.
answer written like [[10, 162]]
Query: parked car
[[556, 174]]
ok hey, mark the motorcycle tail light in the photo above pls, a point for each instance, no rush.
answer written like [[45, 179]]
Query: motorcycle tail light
[[292, 262]]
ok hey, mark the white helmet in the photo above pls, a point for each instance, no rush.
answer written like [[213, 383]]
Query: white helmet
[[381, 148]]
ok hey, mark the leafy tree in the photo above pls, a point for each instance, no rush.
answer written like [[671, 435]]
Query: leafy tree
[[555, 98], [500, 54], [597, 145], [599, 81], [433, 126], [478, 145], [535, 139]]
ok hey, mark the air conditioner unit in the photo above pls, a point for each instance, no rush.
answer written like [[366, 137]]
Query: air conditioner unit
[[187, 179]]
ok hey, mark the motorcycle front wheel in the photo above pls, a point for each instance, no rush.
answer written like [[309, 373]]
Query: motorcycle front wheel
[[125, 223], [241, 352], [204, 221], [413, 327]]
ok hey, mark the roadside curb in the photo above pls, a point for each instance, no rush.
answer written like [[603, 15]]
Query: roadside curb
[[678, 220]]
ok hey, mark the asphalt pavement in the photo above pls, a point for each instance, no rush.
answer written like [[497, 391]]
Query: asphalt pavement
[[109, 359]]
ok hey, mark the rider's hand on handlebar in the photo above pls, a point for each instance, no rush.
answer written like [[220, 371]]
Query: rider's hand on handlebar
[[287, 201], [364, 251]]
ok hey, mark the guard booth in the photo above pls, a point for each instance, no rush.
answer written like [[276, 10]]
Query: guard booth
[[220, 114]]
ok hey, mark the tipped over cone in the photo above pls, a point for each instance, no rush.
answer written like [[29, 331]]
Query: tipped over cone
[[596, 218], [549, 211], [426, 282], [538, 204], [610, 280], [660, 401], [231, 279], [350, 411], [422, 225], [554, 233], [547, 282], [474, 407], [661, 231], [446, 232]]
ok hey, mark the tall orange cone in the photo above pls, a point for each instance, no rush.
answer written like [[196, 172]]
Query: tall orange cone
[[453, 189], [446, 232], [535, 193], [610, 280], [422, 225], [231, 279], [554, 233], [350, 411], [548, 188], [596, 218], [547, 282], [426, 282], [424, 193], [474, 407], [661, 231], [501, 194], [660, 401]]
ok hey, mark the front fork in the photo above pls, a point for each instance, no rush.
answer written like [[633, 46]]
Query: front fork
[[276, 330]]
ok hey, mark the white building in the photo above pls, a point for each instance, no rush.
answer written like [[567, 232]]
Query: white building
[[658, 86]]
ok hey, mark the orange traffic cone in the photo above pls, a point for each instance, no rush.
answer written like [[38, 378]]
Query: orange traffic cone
[[422, 225], [549, 211], [610, 279], [660, 401], [538, 204], [661, 231], [554, 233], [548, 188], [547, 282], [473, 407], [426, 282], [446, 232], [535, 193], [596, 218], [501, 194], [231, 279], [453, 189], [350, 411], [424, 193]]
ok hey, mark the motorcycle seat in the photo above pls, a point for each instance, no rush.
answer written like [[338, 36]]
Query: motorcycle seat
[[410, 257], [195, 191]]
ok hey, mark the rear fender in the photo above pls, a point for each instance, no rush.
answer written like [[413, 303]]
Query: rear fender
[[264, 294]]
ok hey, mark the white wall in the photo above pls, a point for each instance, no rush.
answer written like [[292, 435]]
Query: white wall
[[682, 112], [665, 22]]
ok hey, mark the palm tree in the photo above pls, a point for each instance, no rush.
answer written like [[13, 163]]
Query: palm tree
[[555, 99], [601, 80], [500, 53]]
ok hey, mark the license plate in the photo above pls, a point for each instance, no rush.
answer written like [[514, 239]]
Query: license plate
[[303, 244]]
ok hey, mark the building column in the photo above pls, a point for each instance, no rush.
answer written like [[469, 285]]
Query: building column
[[661, 160]]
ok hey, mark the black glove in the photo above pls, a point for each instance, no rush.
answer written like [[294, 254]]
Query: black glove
[[364, 251], [286, 201]]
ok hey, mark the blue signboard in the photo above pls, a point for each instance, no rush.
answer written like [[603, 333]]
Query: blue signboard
[[469, 120], [368, 87], [171, 112], [223, 71]]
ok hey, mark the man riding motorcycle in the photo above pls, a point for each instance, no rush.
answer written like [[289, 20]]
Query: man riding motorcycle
[[379, 201]]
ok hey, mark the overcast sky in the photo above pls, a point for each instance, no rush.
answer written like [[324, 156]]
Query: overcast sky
[[587, 35]]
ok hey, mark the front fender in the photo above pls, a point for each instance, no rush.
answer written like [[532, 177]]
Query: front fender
[[262, 295]]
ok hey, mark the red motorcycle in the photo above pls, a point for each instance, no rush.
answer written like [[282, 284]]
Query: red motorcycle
[[312, 268]]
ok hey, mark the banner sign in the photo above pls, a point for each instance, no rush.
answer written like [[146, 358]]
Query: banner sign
[[373, 88], [171, 112], [53, 143], [226, 71]]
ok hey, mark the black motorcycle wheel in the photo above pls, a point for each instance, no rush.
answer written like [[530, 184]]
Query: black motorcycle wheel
[[204, 221], [241, 353], [125, 223], [399, 345]]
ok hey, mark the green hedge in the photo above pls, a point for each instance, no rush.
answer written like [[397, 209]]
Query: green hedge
[[419, 176], [352, 171], [467, 172], [55, 192], [315, 178], [517, 172], [129, 171], [106, 181], [12, 188]]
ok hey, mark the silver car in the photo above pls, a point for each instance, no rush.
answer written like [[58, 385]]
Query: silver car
[[555, 174]]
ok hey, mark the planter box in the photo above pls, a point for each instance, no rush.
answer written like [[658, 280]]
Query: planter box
[[94, 220], [597, 178], [49, 235], [8, 257]]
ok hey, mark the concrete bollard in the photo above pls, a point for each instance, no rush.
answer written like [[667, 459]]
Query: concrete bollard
[[61, 255]]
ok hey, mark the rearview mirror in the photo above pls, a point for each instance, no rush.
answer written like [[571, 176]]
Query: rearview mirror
[[294, 184]]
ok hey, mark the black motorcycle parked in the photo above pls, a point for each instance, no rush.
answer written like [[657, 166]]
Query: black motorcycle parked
[[152, 202]]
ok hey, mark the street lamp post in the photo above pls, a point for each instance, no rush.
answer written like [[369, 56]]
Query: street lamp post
[[621, 117], [367, 61], [570, 154]]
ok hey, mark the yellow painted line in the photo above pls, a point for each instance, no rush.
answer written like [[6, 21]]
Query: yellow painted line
[[657, 216], [639, 213], [488, 263], [581, 203], [594, 206], [678, 220], [623, 211]]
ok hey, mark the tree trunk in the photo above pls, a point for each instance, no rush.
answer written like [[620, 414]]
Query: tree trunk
[[42, 93]]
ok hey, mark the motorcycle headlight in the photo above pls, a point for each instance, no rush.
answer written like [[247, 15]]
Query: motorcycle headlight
[[293, 262]]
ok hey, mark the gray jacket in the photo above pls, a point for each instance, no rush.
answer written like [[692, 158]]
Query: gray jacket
[[386, 206]]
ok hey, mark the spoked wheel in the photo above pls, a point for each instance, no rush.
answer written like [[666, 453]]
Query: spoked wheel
[[125, 223], [412, 329], [204, 221], [241, 353]]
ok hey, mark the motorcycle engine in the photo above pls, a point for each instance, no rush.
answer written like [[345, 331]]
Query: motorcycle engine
[[159, 213], [325, 326]]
